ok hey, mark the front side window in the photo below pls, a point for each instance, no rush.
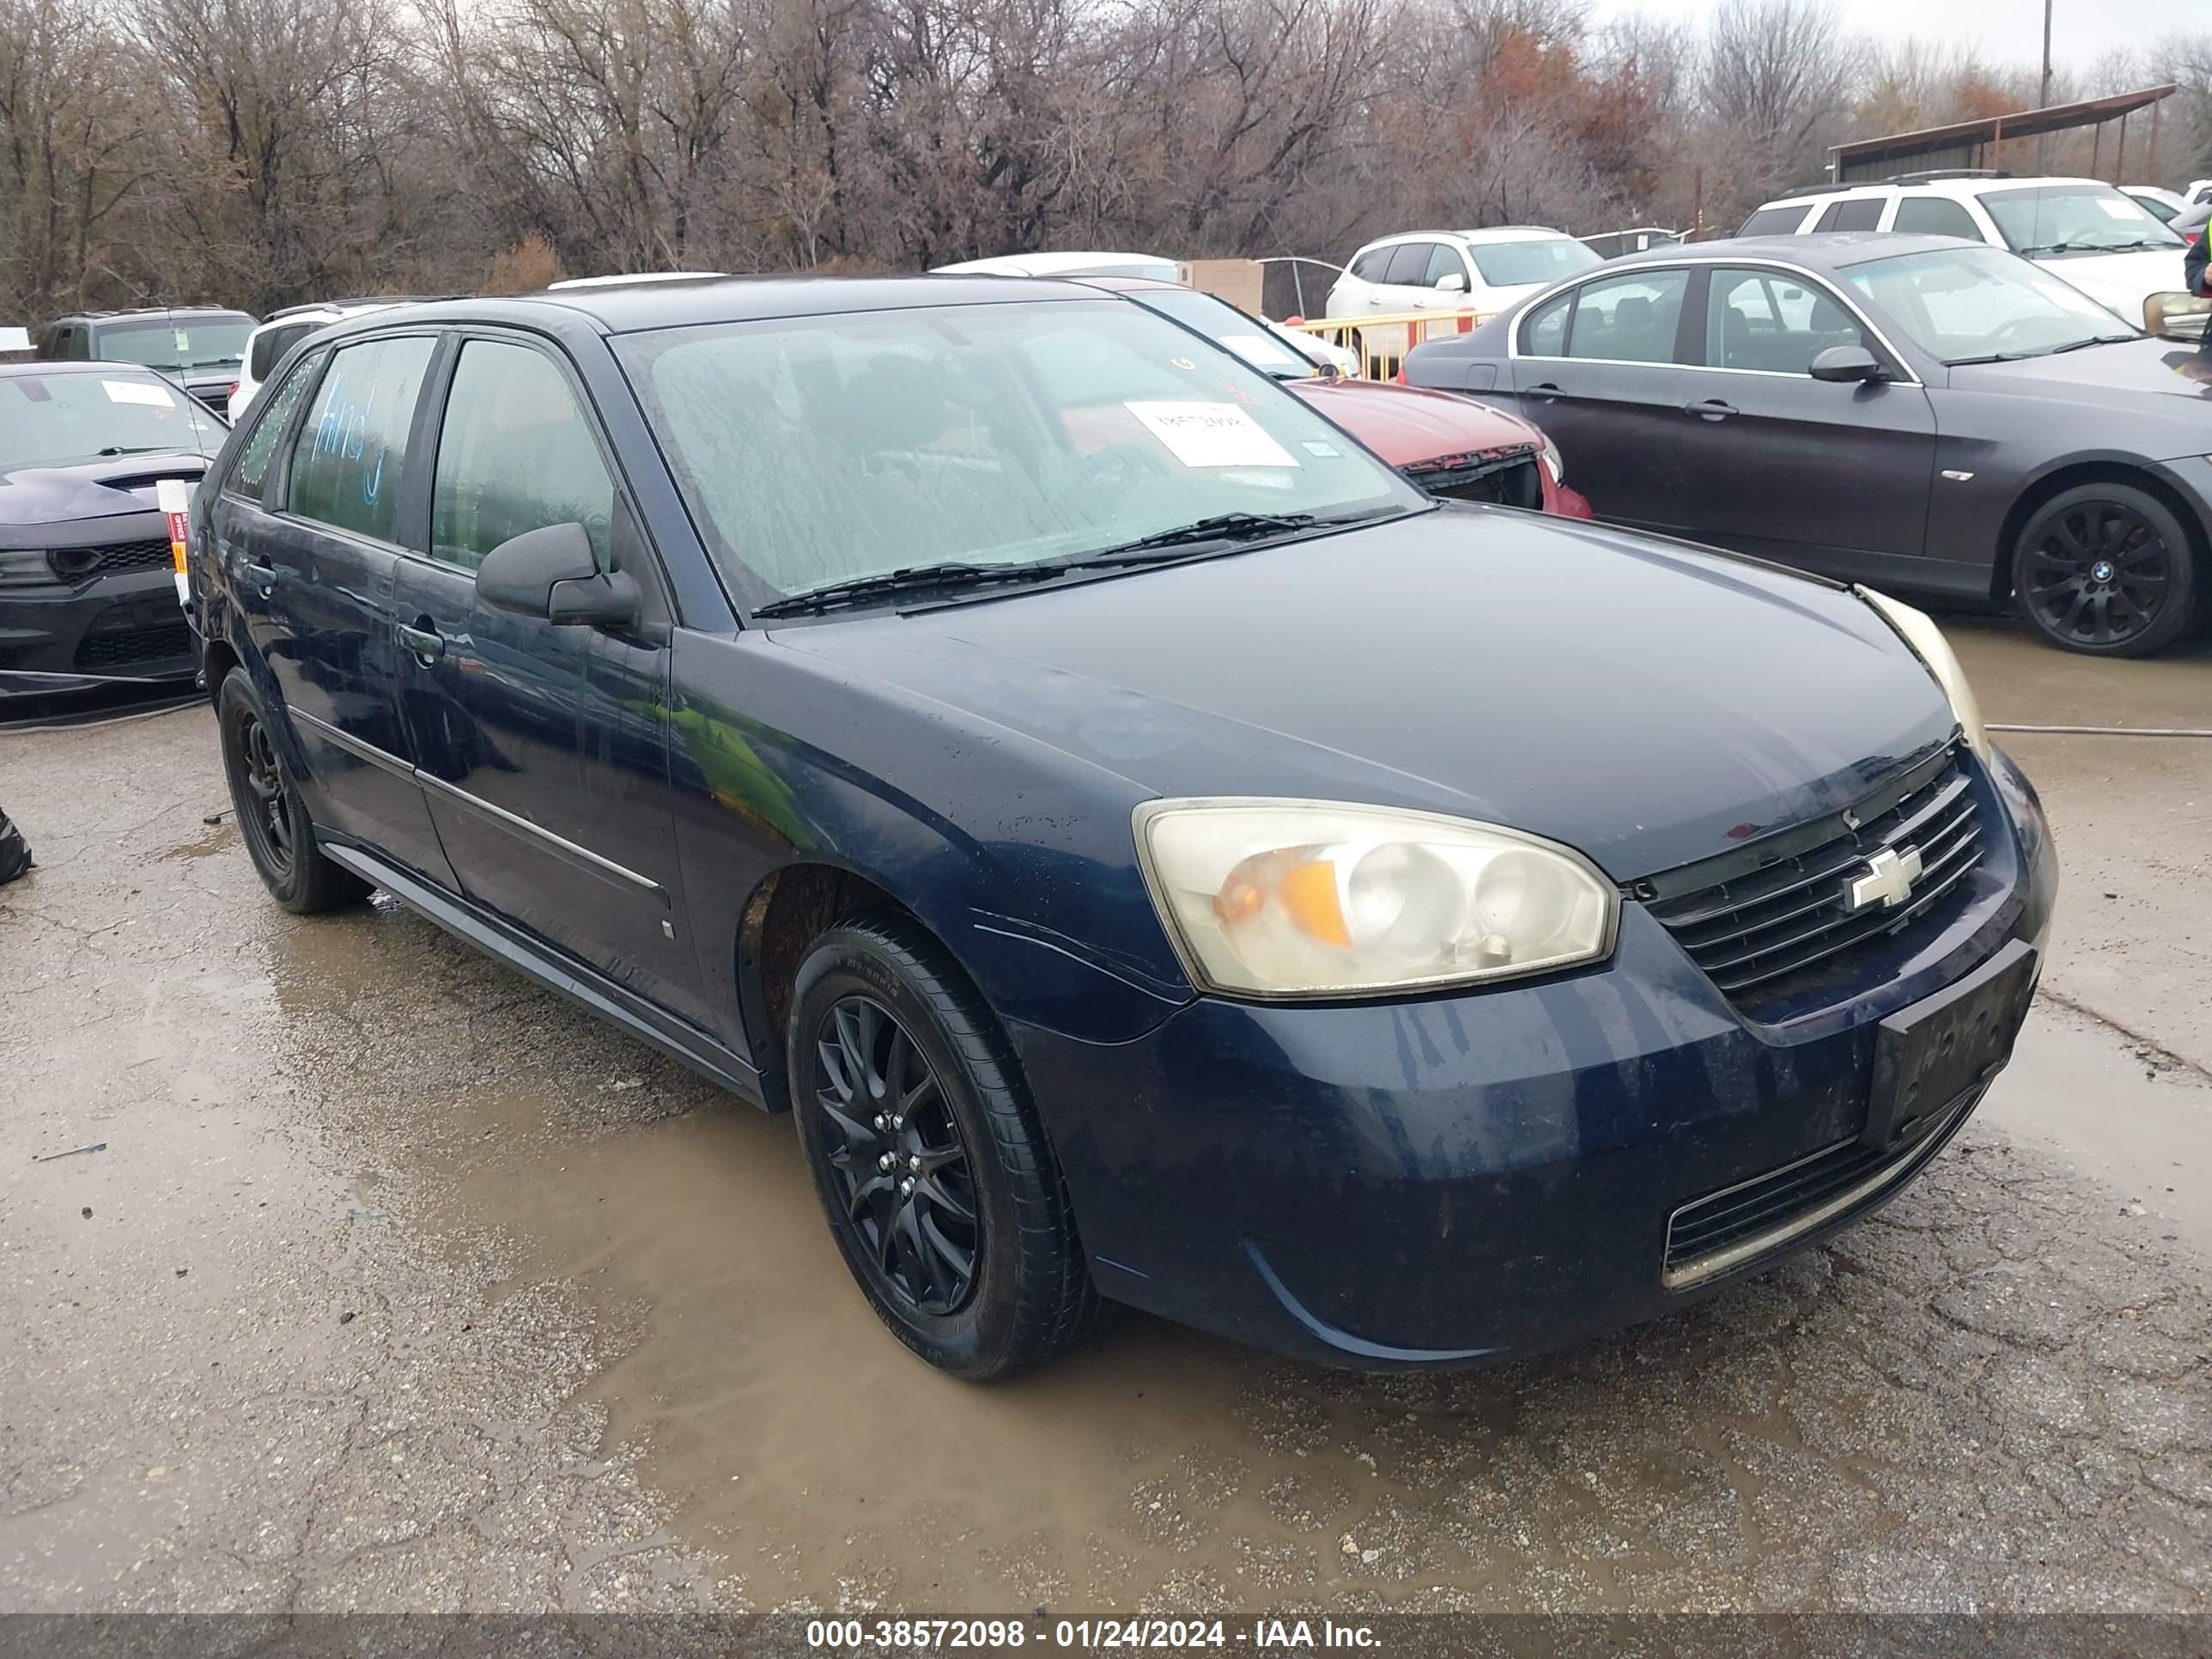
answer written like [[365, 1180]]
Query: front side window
[[86, 415], [1936, 216], [179, 346], [514, 454], [1409, 264], [1629, 318], [1531, 264], [1980, 304], [1765, 320], [272, 415], [1444, 262], [2057, 219], [816, 450], [352, 450]]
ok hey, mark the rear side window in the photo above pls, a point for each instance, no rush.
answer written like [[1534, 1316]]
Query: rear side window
[[516, 454], [272, 415], [270, 345], [1545, 333], [1860, 212], [1630, 318], [1775, 221], [1936, 216], [348, 464], [1409, 264]]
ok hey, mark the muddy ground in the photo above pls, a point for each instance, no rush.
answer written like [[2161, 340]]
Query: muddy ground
[[401, 1285]]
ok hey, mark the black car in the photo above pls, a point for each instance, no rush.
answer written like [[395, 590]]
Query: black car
[[198, 347], [87, 588], [1156, 853], [1919, 412]]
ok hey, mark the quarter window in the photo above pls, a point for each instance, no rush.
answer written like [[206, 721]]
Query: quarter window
[[516, 454], [270, 417], [1763, 319], [1629, 318], [1936, 216], [1545, 333], [352, 456]]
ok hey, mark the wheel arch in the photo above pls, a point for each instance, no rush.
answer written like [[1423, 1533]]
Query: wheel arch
[[2071, 474]]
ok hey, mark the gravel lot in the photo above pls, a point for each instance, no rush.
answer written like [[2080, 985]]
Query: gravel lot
[[400, 1285]]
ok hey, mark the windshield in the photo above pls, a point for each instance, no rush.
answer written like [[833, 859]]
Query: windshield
[[822, 449], [1518, 264], [46, 420], [2073, 219], [1224, 324], [186, 343], [1977, 304]]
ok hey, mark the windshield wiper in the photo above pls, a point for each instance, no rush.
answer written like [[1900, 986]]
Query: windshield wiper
[[2039, 351], [2095, 339], [130, 449], [914, 578], [1221, 527]]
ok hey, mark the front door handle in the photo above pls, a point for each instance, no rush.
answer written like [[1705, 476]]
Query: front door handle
[[263, 576], [1711, 408], [427, 643]]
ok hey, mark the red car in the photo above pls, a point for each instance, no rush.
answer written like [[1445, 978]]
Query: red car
[[1451, 446]]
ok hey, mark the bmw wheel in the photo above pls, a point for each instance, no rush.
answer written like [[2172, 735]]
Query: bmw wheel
[[927, 1155], [2106, 569], [271, 818]]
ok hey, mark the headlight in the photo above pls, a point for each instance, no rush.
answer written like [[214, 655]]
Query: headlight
[[1918, 630], [1552, 463], [1292, 898], [24, 567]]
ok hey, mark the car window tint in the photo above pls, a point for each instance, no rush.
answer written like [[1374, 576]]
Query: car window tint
[[1763, 319], [1860, 212], [515, 453], [1936, 216], [347, 467], [271, 414], [1774, 221], [1370, 266], [1442, 262], [271, 343], [1409, 263], [1630, 318], [1545, 333]]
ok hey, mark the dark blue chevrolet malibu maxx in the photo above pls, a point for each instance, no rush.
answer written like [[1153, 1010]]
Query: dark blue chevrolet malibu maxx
[[1157, 855]]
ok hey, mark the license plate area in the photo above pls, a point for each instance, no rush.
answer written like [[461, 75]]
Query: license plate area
[[1927, 1055]]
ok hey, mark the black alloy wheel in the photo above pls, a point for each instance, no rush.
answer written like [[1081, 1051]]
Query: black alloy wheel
[[901, 1164], [2105, 570], [280, 838], [268, 821]]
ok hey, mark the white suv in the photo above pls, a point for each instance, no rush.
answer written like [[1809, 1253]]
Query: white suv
[[280, 330], [2100, 239], [1483, 271]]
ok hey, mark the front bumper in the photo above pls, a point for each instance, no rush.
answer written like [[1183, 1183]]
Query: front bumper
[[1475, 1175], [126, 628]]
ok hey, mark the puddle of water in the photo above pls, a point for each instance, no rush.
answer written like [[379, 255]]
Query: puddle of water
[[221, 837]]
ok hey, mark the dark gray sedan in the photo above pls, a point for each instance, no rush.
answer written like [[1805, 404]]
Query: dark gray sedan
[[1916, 412]]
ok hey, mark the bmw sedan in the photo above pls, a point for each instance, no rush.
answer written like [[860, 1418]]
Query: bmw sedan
[[1155, 855], [1918, 412], [87, 586]]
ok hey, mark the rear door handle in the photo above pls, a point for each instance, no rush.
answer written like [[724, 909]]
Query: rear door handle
[[263, 576], [1544, 390], [427, 643], [1713, 408]]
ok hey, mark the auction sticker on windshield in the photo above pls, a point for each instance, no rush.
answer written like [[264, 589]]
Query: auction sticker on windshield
[[135, 392], [1211, 434]]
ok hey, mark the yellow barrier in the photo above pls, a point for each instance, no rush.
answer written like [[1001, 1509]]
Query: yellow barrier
[[1381, 339]]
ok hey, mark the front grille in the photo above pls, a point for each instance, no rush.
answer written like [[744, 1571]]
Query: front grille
[[80, 564], [127, 647], [1763, 929], [1505, 478], [1738, 1224]]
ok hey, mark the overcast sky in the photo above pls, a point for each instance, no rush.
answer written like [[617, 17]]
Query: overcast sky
[[2010, 31]]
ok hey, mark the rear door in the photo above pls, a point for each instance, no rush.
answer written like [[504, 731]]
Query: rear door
[[544, 750], [1832, 475], [304, 530], [1599, 369]]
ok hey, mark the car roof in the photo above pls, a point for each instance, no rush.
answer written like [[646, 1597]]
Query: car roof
[[1821, 249], [347, 306], [1134, 284], [1494, 233], [133, 312], [628, 309], [1047, 264], [77, 366], [1805, 196]]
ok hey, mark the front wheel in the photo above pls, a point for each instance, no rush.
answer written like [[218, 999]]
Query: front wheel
[[935, 1176], [273, 820], [2106, 569]]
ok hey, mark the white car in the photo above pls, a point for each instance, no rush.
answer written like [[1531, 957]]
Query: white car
[[1149, 265], [2096, 237], [2162, 204], [617, 279], [280, 330], [1484, 271]]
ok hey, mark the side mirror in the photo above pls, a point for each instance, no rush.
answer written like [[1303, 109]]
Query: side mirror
[[1846, 364], [552, 574], [1453, 282]]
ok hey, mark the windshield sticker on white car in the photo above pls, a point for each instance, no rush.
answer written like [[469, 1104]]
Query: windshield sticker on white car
[[2120, 210], [138, 392], [1328, 452], [1211, 434], [1258, 350]]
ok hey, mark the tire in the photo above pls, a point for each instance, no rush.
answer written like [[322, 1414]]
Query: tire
[[273, 819], [876, 1004], [2106, 570]]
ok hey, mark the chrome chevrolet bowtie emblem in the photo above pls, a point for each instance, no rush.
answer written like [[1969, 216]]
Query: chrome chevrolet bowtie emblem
[[1888, 879]]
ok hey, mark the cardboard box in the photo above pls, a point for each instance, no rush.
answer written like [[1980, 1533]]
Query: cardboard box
[[1237, 281]]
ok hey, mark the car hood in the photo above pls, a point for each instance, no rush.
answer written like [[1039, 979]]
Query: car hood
[[2121, 281], [2120, 375], [103, 488], [1646, 702], [1407, 426]]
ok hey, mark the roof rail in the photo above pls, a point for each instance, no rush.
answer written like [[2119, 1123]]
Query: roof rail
[[1932, 174], [1795, 191], [361, 300]]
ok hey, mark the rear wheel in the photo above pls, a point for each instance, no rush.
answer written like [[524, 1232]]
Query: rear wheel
[[272, 817], [2106, 569], [926, 1154]]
